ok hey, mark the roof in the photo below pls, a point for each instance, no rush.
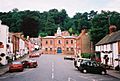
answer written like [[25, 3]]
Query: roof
[[61, 36], [69, 36], [50, 37], [110, 38]]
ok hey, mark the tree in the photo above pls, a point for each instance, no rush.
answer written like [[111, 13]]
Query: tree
[[30, 27]]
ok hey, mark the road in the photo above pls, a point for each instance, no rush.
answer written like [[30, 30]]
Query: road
[[54, 68]]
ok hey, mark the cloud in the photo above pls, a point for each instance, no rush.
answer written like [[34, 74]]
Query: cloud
[[71, 6]]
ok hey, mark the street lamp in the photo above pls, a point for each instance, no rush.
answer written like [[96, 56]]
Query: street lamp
[[109, 19]]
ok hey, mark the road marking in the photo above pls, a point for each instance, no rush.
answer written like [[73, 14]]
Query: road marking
[[94, 80], [52, 75], [15, 74], [71, 79], [6, 76], [52, 64], [3, 77], [52, 70]]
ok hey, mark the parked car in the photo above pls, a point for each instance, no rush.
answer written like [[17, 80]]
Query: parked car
[[92, 67], [69, 58], [29, 63], [34, 55], [77, 62], [16, 66]]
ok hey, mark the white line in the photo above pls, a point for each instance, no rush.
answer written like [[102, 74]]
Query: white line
[[94, 80], [3, 77], [52, 75], [52, 65], [52, 69], [68, 78]]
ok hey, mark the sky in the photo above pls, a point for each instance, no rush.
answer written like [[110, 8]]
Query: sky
[[71, 6]]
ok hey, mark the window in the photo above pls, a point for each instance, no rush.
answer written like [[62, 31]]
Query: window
[[8, 39], [67, 49], [50, 41], [72, 49], [46, 42], [46, 49], [59, 42], [66, 41], [71, 41], [50, 49]]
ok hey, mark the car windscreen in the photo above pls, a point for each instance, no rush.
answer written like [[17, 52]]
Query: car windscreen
[[16, 62], [83, 61]]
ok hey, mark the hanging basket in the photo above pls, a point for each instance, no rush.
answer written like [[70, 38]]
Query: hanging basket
[[7, 57], [2, 54]]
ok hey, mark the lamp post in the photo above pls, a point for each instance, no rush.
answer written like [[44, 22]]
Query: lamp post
[[109, 20]]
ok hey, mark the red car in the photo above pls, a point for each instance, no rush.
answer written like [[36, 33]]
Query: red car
[[16, 66], [29, 63], [34, 55]]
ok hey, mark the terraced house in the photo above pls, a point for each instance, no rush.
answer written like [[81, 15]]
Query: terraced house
[[4, 31], [63, 43], [109, 47]]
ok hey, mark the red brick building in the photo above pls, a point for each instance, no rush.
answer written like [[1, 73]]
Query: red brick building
[[63, 43]]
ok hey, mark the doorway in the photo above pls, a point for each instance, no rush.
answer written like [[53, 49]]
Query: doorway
[[59, 50]]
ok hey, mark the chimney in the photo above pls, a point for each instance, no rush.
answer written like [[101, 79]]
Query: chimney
[[84, 31], [112, 29]]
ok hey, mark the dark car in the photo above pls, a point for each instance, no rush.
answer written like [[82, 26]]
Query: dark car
[[69, 58], [29, 63], [92, 67], [16, 66]]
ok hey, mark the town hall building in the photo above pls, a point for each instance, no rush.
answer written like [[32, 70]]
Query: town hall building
[[63, 43]]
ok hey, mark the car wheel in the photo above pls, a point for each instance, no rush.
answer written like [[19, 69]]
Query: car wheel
[[103, 72], [84, 71], [77, 68], [10, 71]]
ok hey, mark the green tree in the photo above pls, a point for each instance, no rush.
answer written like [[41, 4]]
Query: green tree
[[30, 27]]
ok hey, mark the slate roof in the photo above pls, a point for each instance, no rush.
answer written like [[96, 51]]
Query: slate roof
[[110, 38]]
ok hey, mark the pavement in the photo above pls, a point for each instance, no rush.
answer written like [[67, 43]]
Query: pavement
[[114, 73], [5, 69]]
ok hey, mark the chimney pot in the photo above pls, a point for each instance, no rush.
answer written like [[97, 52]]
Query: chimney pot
[[112, 28]]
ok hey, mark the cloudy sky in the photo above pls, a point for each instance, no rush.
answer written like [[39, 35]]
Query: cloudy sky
[[71, 6]]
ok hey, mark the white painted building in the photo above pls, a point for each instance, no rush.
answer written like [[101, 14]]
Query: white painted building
[[4, 39], [110, 46], [21, 47]]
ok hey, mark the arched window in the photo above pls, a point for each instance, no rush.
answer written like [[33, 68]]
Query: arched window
[[46, 42], [59, 42], [71, 41], [67, 49], [46, 49], [50, 49], [66, 41]]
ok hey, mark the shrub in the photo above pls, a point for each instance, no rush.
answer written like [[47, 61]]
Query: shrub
[[86, 55]]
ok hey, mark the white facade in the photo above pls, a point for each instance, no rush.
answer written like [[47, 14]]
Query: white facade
[[4, 39], [21, 47], [111, 50]]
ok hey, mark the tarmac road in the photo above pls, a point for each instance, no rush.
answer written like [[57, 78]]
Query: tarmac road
[[54, 68]]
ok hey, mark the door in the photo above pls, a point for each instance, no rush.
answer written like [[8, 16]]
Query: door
[[59, 50]]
